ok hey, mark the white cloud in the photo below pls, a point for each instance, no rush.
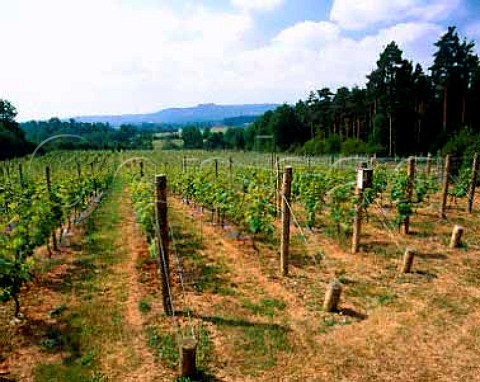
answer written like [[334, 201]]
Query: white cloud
[[309, 33], [361, 14], [257, 5], [290, 67], [71, 58]]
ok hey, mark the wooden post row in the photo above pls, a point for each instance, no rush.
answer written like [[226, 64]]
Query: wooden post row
[[286, 196], [184, 164], [49, 189], [357, 220], [410, 180], [20, 173], [279, 188], [162, 241], [446, 176], [429, 164], [473, 183]]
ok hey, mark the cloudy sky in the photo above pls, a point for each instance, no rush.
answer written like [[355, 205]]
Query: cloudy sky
[[68, 57]]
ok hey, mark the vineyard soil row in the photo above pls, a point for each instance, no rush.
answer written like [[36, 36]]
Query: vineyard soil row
[[94, 311]]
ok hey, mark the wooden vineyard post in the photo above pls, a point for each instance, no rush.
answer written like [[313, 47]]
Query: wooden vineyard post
[[216, 168], [446, 176], [408, 260], [20, 173], [162, 241], [230, 166], [364, 180], [141, 169], [79, 170], [92, 168], [429, 164], [473, 183], [410, 180], [184, 164], [49, 189], [188, 358], [456, 238], [286, 196], [357, 220], [332, 296], [278, 185]]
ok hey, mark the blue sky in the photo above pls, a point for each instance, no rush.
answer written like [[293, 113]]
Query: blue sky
[[69, 57]]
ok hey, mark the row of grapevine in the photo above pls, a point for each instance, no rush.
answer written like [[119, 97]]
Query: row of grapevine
[[245, 193], [37, 198]]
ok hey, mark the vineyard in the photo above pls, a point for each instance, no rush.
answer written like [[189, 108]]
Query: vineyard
[[223, 266]]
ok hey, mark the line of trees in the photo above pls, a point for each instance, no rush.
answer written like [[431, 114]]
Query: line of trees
[[401, 110], [95, 136], [12, 137]]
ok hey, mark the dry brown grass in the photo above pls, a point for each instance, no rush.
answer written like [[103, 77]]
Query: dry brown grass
[[421, 326], [256, 326]]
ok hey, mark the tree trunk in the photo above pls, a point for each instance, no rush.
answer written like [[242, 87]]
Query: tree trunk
[[17, 305], [389, 134], [445, 105]]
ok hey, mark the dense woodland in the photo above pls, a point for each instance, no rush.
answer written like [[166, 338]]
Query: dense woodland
[[93, 135], [403, 109], [12, 138]]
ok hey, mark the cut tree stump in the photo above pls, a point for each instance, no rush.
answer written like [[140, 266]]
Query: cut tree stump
[[408, 260], [456, 238], [188, 358], [332, 297]]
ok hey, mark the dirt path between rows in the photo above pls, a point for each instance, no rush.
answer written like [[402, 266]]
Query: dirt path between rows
[[131, 239]]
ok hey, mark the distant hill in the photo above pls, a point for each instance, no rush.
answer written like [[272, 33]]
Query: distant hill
[[209, 112]]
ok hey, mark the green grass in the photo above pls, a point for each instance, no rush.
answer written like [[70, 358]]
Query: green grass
[[204, 275], [164, 341], [266, 307], [83, 330], [260, 346], [144, 306]]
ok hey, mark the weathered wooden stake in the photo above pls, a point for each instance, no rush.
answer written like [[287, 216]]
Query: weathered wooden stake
[[49, 189], [332, 296], [357, 220], [141, 169], [456, 238], [162, 241], [473, 183], [279, 188], [216, 168], [286, 196], [20, 173], [408, 260], [184, 164], [410, 180], [188, 358], [446, 176], [79, 170], [429, 164]]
